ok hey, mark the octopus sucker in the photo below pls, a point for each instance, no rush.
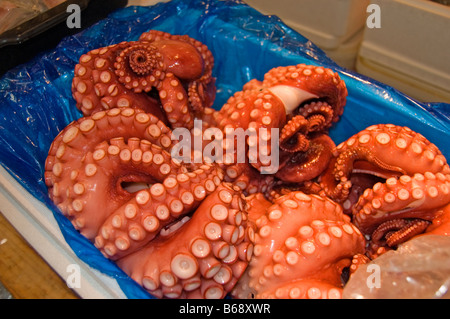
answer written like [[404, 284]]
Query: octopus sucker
[[126, 75], [290, 248], [288, 100], [307, 165], [96, 84], [399, 211], [284, 213], [392, 182], [93, 164], [375, 151], [304, 289], [193, 255]]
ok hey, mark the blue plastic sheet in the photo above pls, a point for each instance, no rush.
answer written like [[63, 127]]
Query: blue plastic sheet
[[36, 101]]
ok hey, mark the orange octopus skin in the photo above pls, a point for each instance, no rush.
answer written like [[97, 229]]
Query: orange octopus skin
[[383, 150], [441, 223], [257, 107], [291, 99], [96, 87], [305, 166], [302, 244], [417, 196], [412, 184], [93, 158], [411, 204], [121, 75], [196, 68], [205, 258]]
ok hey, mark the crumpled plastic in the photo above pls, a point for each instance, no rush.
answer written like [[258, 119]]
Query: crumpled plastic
[[417, 269], [36, 101]]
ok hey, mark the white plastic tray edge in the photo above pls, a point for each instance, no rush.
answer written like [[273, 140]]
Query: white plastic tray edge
[[35, 222]]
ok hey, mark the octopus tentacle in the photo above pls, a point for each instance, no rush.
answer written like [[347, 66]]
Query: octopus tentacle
[[201, 87], [152, 209], [406, 197], [203, 262], [277, 102], [388, 228], [319, 115], [320, 83], [394, 232], [297, 126], [139, 66], [299, 254], [134, 146], [384, 150], [344, 163], [305, 166], [337, 184], [99, 76], [393, 182], [306, 289], [256, 112], [358, 260], [248, 179], [413, 228], [174, 101], [126, 74]]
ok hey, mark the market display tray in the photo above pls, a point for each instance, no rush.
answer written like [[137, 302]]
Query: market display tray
[[36, 103]]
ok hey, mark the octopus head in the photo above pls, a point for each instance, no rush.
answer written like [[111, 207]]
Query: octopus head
[[181, 58]]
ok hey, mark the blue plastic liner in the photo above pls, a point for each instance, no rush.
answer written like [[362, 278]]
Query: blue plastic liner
[[36, 101]]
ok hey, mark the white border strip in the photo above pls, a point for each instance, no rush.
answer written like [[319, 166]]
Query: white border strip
[[35, 222]]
